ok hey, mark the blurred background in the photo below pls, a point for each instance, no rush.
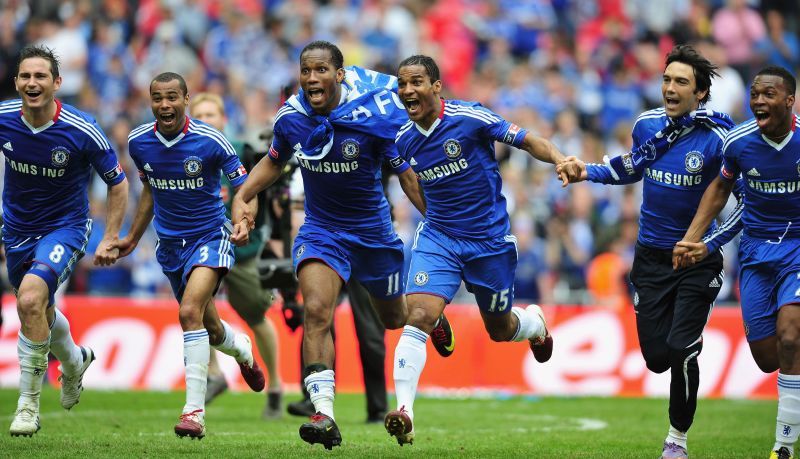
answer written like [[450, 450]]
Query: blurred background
[[575, 71]]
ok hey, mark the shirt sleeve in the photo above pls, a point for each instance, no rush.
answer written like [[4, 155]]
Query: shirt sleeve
[[280, 151], [730, 166], [104, 159], [499, 129], [390, 154], [231, 165]]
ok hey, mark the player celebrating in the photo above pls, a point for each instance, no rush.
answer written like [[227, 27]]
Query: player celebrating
[[179, 161], [466, 234], [50, 148], [245, 294], [672, 308], [767, 154], [340, 127]]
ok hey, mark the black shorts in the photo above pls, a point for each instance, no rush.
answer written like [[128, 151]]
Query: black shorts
[[673, 306]]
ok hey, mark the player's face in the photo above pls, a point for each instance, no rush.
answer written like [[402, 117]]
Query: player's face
[[209, 112], [419, 94], [771, 104], [35, 83], [320, 80], [168, 103], [679, 90]]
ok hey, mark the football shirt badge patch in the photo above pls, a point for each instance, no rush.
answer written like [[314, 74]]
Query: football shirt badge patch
[[694, 161], [452, 149], [350, 149], [59, 156], [192, 166]]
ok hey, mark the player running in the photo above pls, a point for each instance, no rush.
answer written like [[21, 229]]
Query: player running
[[766, 152], [466, 234], [341, 128], [50, 149], [179, 161]]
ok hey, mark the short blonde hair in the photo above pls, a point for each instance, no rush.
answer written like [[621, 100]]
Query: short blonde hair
[[207, 97]]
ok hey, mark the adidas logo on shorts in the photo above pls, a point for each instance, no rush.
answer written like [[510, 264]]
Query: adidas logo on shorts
[[714, 283]]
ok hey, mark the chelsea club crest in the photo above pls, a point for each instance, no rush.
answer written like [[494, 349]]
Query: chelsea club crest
[[452, 149], [192, 166], [300, 251], [59, 156], [421, 278], [694, 161], [350, 149]]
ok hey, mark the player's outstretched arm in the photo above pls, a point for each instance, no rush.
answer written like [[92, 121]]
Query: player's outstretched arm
[[544, 150], [410, 185], [117, 202], [144, 214], [244, 206], [714, 199]]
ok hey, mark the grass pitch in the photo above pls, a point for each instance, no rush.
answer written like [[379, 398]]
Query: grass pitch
[[139, 424]]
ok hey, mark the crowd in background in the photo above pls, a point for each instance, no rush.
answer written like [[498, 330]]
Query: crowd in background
[[575, 71]]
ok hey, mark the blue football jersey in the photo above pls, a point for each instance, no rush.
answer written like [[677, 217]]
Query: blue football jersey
[[184, 176], [771, 173], [48, 168], [342, 189], [674, 183], [456, 165]]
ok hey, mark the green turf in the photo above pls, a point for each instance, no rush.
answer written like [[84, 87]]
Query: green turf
[[139, 424]]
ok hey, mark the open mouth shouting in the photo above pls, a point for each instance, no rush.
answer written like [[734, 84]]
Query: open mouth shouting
[[672, 104], [413, 107], [33, 95], [762, 117], [167, 120], [316, 96]]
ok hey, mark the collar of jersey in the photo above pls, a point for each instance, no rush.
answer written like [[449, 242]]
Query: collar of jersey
[[779, 146], [436, 123], [46, 125], [169, 143]]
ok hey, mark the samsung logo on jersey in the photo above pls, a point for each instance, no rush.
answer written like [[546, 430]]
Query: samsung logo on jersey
[[176, 184], [774, 187], [670, 178], [444, 170], [33, 169], [329, 167]]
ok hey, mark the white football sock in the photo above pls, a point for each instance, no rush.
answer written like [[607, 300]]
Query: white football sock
[[32, 357], [236, 345], [676, 436], [787, 427], [196, 352], [530, 324], [409, 360], [62, 346], [320, 387]]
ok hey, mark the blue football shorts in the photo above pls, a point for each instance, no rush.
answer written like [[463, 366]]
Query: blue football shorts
[[178, 257], [50, 256], [769, 278], [439, 263], [375, 260]]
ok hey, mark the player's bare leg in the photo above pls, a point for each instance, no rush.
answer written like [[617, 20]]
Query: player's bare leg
[[394, 314], [520, 325], [320, 286]]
